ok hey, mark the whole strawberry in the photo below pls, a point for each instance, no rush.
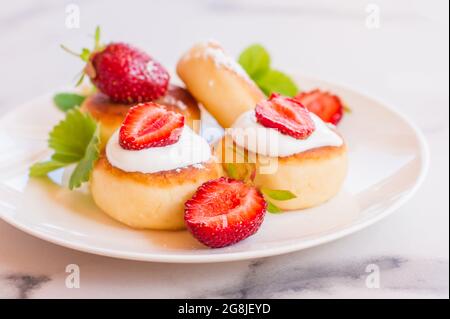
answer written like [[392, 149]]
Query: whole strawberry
[[127, 74], [124, 73]]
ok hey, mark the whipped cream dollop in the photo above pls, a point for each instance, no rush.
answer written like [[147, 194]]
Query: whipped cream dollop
[[190, 149], [248, 133]]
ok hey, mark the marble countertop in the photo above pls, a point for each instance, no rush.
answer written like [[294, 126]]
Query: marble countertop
[[402, 58]]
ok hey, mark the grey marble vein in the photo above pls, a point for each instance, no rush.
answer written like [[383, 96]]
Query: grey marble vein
[[24, 284], [268, 278]]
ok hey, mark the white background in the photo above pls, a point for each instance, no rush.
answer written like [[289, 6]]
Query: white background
[[405, 61]]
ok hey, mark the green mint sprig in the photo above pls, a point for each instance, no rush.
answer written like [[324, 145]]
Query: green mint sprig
[[233, 170], [256, 62], [66, 101], [73, 140], [276, 194]]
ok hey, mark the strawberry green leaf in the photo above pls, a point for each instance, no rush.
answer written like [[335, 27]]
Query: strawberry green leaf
[[67, 101], [74, 140], [255, 60], [70, 137], [275, 81], [272, 208], [278, 194], [84, 167], [42, 169]]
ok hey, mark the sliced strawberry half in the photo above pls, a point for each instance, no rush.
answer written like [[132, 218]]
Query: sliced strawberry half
[[224, 211], [325, 105], [286, 115], [150, 125]]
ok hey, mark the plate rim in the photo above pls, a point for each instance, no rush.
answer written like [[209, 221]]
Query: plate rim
[[260, 253]]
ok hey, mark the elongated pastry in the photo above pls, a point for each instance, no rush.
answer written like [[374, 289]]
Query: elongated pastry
[[218, 82]]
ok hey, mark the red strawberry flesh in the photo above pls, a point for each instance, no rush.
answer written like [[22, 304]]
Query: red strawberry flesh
[[150, 125], [127, 75], [224, 211], [286, 115], [324, 104]]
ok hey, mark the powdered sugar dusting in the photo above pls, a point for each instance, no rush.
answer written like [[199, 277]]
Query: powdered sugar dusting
[[213, 42], [223, 60], [213, 50]]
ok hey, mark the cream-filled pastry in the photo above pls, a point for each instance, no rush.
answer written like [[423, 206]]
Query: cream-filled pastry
[[287, 148], [150, 167]]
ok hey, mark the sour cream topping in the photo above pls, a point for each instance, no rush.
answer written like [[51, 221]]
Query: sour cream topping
[[190, 149], [248, 133]]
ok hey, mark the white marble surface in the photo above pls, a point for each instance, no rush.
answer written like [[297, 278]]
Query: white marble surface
[[405, 61]]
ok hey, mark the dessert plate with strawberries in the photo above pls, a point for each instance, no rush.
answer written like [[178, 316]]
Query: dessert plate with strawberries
[[235, 161]]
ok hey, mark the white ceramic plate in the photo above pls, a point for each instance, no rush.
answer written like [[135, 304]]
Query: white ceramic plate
[[388, 161]]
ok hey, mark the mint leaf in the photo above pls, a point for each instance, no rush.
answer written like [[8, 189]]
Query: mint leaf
[[67, 101], [83, 169], [278, 194], [231, 170], [272, 208], [255, 60], [74, 140], [42, 169], [275, 81]]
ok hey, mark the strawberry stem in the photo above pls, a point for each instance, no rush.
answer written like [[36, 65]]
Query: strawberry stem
[[85, 56], [70, 51], [97, 38], [347, 109], [80, 80]]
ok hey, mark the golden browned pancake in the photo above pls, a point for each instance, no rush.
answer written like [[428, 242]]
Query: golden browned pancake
[[148, 201], [218, 82], [110, 114], [314, 176]]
